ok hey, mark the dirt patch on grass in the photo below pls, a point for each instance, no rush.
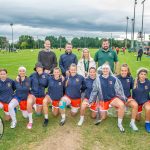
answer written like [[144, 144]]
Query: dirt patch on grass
[[64, 138]]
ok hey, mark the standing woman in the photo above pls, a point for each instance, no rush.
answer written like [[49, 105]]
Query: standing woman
[[38, 81], [141, 95], [74, 85], [55, 93], [127, 83], [7, 88], [85, 63]]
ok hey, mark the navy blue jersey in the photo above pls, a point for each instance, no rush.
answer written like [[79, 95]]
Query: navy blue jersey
[[75, 84], [66, 60], [108, 87], [141, 92], [127, 84], [55, 88], [22, 89], [88, 87], [38, 84], [7, 88]]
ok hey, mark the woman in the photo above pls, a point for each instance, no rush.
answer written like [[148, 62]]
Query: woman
[[55, 92], [141, 95], [7, 88], [85, 63], [88, 89], [38, 81], [109, 92], [127, 83], [74, 85]]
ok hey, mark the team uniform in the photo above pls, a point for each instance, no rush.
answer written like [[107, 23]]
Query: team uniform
[[141, 94], [66, 60], [22, 92], [88, 90], [55, 90], [38, 85], [75, 84], [127, 83], [7, 88]]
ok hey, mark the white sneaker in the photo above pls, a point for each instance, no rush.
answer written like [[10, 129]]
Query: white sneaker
[[80, 122], [134, 127], [121, 128], [13, 125]]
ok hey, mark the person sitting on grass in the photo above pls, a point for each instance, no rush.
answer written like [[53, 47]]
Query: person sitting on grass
[[141, 95], [88, 89], [127, 83], [74, 85], [39, 81], [55, 92]]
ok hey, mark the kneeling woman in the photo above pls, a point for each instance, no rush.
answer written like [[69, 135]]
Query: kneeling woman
[[88, 89], [38, 81], [55, 93], [141, 95], [73, 87], [109, 92], [127, 83], [22, 86], [7, 87]]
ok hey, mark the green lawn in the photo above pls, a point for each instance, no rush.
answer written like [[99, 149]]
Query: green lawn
[[105, 136]]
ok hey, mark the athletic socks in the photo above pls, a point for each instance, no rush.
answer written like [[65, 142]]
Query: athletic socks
[[133, 125], [63, 119], [81, 121], [120, 125], [46, 116], [30, 118]]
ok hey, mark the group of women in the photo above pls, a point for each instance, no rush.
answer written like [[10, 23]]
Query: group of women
[[100, 91]]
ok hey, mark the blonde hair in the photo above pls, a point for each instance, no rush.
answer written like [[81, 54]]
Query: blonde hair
[[82, 55], [22, 68]]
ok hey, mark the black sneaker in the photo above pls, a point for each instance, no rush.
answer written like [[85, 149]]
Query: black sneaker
[[45, 123], [62, 122]]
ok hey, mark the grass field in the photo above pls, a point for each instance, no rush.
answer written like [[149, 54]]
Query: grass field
[[106, 136]]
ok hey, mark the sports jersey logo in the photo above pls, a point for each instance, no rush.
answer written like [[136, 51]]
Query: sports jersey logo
[[146, 87], [8, 84], [128, 80], [43, 76], [110, 82], [77, 80], [59, 83]]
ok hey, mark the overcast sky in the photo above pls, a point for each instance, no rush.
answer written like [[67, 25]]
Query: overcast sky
[[71, 17]]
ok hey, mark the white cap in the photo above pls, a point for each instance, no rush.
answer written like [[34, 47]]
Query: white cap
[[22, 68]]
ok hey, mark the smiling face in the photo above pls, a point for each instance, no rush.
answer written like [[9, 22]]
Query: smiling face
[[68, 48], [105, 71], [22, 72], [124, 71], [105, 45], [92, 73], [142, 76], [39, 70], [47, 44], [73, 70], [56, 73], [85, 54], [3, 75]]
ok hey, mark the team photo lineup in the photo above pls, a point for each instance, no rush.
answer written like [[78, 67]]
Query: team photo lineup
[[97, 84]]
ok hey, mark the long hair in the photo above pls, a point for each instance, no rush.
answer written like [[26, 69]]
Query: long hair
[[126, 66], [137, 77]]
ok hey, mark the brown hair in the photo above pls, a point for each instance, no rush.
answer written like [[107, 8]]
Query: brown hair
[[105, 40], [68, 44], [137, 77], [92, 68], [126, 65], [2, 69]]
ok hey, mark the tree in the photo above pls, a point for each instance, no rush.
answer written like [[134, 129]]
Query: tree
[[4, 44]]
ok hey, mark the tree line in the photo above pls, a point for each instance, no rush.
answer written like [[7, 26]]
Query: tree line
[[29, 42]]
